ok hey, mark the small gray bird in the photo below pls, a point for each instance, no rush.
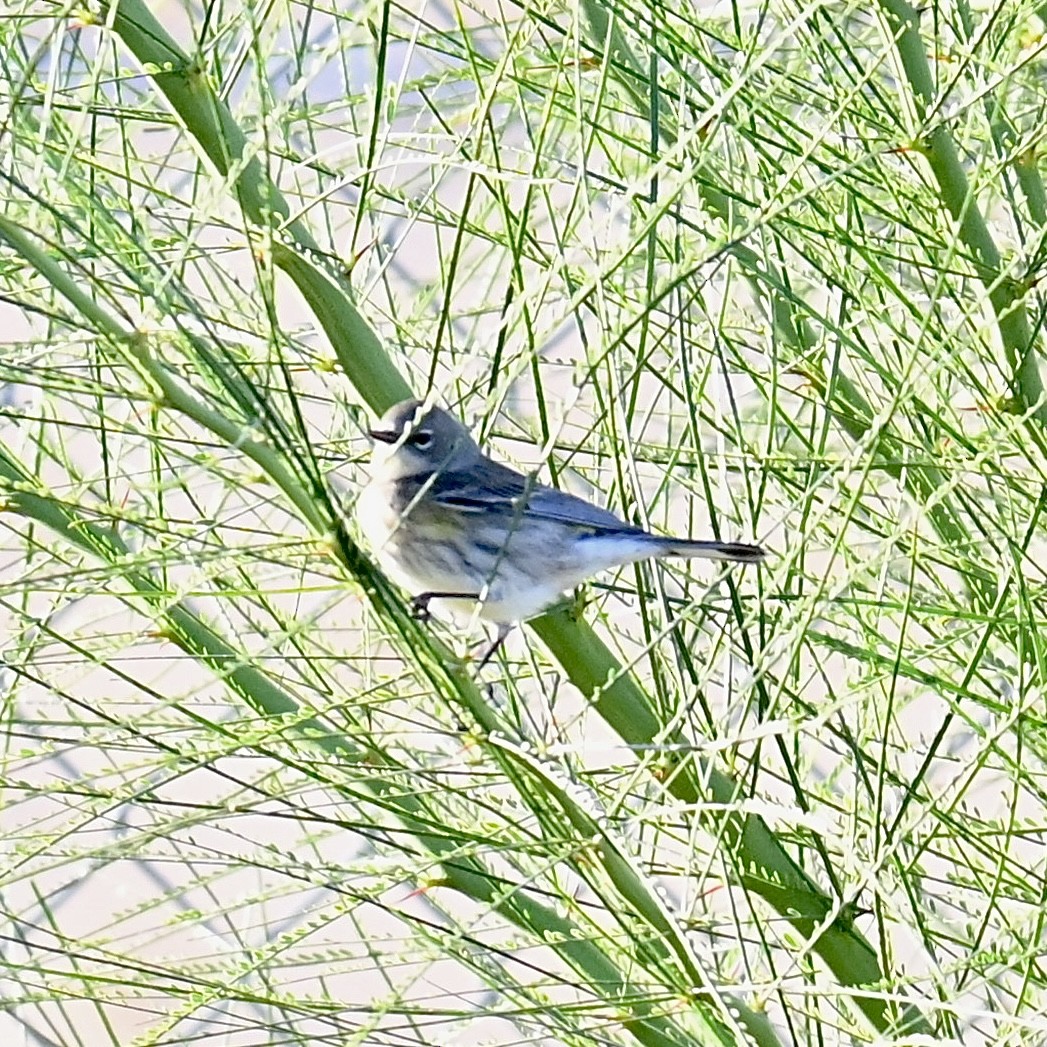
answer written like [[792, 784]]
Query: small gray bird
[[446, 522]]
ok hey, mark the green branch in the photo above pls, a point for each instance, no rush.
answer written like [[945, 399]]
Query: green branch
[[442, 670], [1005, 292], [184, 83]]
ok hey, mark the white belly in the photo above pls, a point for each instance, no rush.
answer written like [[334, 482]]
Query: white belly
[[508, 588], [510, 576]]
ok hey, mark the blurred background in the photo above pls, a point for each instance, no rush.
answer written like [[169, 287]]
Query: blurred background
[[757, 271]]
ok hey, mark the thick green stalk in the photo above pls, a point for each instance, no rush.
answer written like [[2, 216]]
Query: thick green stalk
[[762, 863], [208, 120], [1005, 293], [21, 494], [635, 886], [185, 85], [185, 628]]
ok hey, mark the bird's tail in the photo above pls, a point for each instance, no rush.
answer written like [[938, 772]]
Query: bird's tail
[[736, 551]]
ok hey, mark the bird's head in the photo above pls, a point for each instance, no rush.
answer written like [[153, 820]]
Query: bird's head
[[412, 440]]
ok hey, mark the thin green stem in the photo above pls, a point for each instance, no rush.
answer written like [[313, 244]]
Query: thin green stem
[[1006, 293]]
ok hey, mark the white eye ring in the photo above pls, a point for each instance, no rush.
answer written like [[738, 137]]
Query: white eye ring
[[420, 439]]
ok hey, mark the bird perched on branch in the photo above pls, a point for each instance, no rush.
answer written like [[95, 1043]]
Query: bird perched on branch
[[448, 523]]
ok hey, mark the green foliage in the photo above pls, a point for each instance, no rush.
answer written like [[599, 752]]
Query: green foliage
[[754, 272]]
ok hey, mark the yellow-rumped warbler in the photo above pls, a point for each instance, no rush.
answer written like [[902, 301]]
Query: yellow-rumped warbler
[[446, 522]]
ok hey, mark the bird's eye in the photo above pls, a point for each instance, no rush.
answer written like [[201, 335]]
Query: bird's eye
[[420, 438]]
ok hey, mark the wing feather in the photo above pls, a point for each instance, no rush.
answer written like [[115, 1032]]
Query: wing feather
[[494, 488]]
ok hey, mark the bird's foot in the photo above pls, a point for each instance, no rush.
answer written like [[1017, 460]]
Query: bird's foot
[[420, 603]]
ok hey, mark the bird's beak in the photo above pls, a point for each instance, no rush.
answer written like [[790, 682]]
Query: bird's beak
[[385, 436]]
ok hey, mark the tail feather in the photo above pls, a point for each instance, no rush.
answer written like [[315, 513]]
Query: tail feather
[[739, 552]]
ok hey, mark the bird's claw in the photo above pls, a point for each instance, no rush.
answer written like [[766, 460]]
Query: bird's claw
[[420, 608]]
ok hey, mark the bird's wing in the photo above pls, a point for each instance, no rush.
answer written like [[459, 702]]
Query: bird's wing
[[493, 488]]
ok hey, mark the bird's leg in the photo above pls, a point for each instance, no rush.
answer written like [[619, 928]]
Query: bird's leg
[[420, 603], [503, 632]]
